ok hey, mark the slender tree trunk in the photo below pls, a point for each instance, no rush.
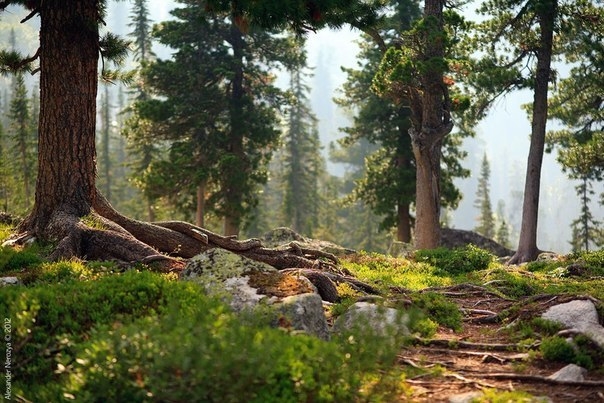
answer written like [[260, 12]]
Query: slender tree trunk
[[106, 139], [201, 204], [527, 245], [429, 130], [403, 228], [69, 48], [233, 178]]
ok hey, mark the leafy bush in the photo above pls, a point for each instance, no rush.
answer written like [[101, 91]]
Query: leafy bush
[[209, 355], [12, 259], [594, 261], [140, 337], [558, 349], [49, 319], [456, 261], [439, 308]]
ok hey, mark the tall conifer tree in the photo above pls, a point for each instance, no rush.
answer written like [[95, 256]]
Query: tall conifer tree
[[486, 220], [23, 139]]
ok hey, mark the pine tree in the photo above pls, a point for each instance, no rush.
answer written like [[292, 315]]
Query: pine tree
[[5, 173], [137, 130], [486, 220], [587, 231], [502, 234], [66, 184], [220, 122], [301, 156], [23, 139]]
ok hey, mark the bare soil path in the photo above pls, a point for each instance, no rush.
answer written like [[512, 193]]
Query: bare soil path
[[483, 355]]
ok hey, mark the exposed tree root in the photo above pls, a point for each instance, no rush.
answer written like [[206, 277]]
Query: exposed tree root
[[117, 237]]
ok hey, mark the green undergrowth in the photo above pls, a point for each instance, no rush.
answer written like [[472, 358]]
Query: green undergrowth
[[94, 331], [88, 332]]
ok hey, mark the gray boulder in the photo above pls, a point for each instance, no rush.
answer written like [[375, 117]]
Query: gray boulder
[[570, 372], [247, 284], [380, 319], [455, 238], [579, 315]]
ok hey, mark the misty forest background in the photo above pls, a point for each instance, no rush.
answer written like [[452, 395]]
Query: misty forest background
[[318, 180]]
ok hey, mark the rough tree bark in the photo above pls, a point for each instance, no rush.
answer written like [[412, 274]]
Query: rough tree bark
[[403, 227], [65, 188], [527, 244], [431, 123]]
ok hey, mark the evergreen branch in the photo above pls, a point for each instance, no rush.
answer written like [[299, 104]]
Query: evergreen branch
[[12, 62]]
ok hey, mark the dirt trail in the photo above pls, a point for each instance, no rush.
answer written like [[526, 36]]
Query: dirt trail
[[484, 356]]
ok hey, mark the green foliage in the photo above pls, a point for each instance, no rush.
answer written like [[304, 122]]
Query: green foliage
[[385, 272], [54, 317], [138, 336], [512, 282], [218, 358], [456, 261], [12, 259], [424, 327], [558, 349], [438, 308], [593, 261]]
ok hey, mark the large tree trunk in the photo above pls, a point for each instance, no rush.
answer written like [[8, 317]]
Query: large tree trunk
[[429, 129], [527, 245], [69, 49]]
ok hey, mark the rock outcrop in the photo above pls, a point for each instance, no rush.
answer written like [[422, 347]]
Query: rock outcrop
[[454, 238]]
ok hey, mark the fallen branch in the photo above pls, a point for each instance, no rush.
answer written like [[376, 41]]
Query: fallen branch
[[539, 378], [470, 345], [486, 356]]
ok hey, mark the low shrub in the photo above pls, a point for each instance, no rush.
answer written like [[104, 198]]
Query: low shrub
[[385, 272], [138, 336], [558, 349], [12, 259], [209, 355], [593, 261], [48, 320], [456, 261], [438, 308]]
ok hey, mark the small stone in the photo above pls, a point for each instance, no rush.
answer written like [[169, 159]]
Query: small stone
[[465, 397], [9, 281], [377, 317]]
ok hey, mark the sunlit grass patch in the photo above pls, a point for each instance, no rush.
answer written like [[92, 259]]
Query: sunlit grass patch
[[385, 272], [5, 231]]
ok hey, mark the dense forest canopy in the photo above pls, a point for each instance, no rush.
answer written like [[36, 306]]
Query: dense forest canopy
[[118, 174]]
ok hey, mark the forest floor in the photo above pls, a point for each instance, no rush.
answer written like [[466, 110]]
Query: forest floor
[[486, 356]]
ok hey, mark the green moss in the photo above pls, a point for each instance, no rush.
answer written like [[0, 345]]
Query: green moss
[[517, 396], [385, 272]]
